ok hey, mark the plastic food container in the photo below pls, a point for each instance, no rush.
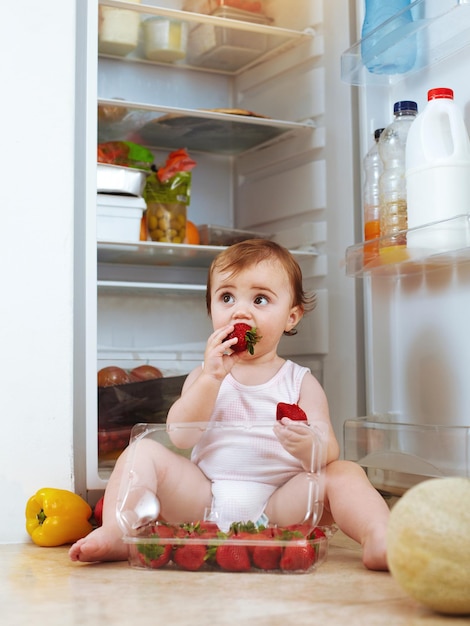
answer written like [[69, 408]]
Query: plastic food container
[[112, 442], [227, 48], [166, 222], [119, 217], [142, 401], [165, 40], [120, 180], [211, 235], [220, 545], [209, 6], [118, 30], [120, 407]]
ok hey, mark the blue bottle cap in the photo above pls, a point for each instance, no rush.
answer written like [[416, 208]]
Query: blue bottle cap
[[405, 105]]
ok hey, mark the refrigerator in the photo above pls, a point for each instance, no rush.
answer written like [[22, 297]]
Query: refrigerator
[[388, 343]]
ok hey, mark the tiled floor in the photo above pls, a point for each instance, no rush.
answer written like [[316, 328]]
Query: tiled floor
[[41, 586]]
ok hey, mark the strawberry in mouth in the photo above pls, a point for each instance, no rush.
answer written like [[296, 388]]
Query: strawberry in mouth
[[247, 338]]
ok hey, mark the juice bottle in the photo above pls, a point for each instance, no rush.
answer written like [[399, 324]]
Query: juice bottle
[[372, 167], [392, 183]]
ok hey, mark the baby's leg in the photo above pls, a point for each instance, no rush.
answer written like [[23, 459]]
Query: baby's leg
[[183, 492], [291, 502], [359, 510]]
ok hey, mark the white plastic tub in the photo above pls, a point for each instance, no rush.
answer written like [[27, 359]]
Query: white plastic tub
[[119, 217], [118, 30], [165, 40]]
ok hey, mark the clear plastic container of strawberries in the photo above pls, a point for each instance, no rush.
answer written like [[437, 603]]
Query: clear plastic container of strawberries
[[225, 538]]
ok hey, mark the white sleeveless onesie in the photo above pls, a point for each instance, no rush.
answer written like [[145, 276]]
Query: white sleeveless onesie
[[247, 463]]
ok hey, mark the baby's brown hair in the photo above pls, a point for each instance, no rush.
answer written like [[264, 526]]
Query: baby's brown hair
[[247, 253]]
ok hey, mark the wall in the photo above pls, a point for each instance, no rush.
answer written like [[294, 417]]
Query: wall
[[37, 45]]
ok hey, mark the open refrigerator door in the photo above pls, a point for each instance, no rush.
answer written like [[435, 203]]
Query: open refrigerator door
[[416, 298]]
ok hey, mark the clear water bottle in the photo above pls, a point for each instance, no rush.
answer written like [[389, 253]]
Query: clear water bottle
[[392, 183], [438, 174], [392, 49], [372, 168]]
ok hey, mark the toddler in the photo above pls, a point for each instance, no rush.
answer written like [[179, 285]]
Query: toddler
[[259, 283]]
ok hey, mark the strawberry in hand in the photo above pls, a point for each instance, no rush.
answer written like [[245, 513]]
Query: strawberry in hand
[[292, 411], [247, 338]]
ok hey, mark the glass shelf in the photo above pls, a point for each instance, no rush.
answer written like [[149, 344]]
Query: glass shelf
[[198, 130], [115, 287], [157, 254], [167, 254], [241, 44], [434, 246], [440, 28], [397, 453]]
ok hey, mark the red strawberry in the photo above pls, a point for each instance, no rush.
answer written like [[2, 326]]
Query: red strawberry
[[266, 557], [190, 556], [298, 557], [206, 528], [317, 533], [233, 558], [247, 337], [156, 554], [246, 532], [300, 530], [292, 411]]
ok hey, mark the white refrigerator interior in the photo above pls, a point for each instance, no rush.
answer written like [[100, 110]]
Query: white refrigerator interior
[[389, 341], [416, 309], [278, 174]]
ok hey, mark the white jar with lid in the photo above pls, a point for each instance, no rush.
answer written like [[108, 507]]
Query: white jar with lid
[[165, 40], [438, 174], [118, 30]]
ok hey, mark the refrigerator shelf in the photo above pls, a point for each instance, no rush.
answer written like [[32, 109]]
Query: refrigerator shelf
[[398, 454], [119, 287], [198, 130], [166, 254], [439, 30], [438, 245], [229, 60]]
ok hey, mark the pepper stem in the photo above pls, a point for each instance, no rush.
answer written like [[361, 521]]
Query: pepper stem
[[41, 517]]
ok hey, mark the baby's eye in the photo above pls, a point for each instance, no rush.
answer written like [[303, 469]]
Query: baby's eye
[[261, 300], [227, 298]]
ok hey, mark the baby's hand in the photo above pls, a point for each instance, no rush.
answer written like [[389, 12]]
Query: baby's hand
[[218, 358], [297, 438]]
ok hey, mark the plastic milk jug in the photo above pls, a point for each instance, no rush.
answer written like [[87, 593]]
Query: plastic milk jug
[[438, 174]]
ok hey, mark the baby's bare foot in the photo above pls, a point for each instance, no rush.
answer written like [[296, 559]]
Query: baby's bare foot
[[374, 549], [100, 545]]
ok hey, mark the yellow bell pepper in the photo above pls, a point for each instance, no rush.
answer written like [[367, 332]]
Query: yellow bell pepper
[[55, 517]]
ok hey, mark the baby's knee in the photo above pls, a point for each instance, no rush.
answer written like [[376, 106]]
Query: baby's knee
[[338, 470]]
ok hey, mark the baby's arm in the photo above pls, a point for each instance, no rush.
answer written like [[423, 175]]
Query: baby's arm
[[201, 388], [297, 438]]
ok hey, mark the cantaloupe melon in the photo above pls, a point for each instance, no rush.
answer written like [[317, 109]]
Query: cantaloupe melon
[[428, 544]]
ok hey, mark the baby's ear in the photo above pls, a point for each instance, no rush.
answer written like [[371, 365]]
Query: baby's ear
[[295, 315]]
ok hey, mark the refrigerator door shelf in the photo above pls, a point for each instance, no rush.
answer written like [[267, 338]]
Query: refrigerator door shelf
[[439, 30], [430, 247], [398, 454]]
